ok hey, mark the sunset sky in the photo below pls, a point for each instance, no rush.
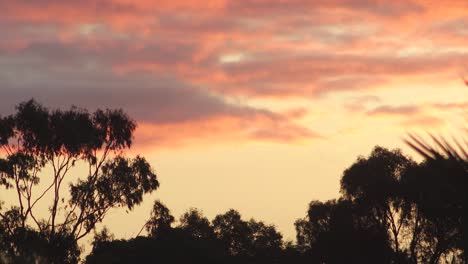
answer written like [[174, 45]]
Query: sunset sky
[[256, 105]]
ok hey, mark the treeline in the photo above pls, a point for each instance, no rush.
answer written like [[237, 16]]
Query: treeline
[[391, 210], [226, 239]]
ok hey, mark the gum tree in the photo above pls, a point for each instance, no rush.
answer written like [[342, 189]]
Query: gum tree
[[44, 146]]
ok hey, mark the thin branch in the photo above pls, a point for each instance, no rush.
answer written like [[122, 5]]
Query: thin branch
[[99, 219], [143, 227], [43, 193]]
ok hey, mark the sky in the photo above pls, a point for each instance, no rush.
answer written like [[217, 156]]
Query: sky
[[254, 105]]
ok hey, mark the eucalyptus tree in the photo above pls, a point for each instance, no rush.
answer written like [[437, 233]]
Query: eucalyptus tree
[[160, 220], [339, 231], [41, 149], [375, 183], [248, 240]]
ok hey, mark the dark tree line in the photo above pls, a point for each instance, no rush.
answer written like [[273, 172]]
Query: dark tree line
[[391, 209], [195, 239]]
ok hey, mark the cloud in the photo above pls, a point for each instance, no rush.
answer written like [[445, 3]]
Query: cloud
[[263, 75], [394, 110], [223, 129], [312, 75], [450, 106], [426, 122], [307, 53], [180, 65], [424, 115], [359, 104], [157, 101]]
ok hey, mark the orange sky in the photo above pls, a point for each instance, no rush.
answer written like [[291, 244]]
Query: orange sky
[[255, 105]]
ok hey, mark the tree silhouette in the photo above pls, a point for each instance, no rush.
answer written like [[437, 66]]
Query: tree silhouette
[[412, 212], [160, 220], [196, 225], [374, 183], [233, 232], [340, 232], [228, 239], [45, 145], [248, 240], [192, 241], [438, 189], [391, 210], [442, 196], [266, 242]]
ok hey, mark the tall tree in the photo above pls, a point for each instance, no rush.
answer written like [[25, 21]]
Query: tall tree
[[439, 187], [442, 196], [374, 183], [339, 231], [160, 220], [233, 232], [42, 145], [417, 209]]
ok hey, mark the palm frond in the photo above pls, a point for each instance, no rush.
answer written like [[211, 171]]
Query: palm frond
[[442, 147]]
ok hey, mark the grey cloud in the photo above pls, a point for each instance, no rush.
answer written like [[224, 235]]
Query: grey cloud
[[159, 51], [265, 75], [159, 100], [58, 77], [395, 110]]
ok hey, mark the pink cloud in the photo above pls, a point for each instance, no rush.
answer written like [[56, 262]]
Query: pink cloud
[[425, 122], [166, 62]]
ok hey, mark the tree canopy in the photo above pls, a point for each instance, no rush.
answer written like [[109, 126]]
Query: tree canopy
[[40, 145]]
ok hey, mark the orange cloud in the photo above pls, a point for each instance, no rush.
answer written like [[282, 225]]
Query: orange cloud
[[177, 64], [425, 122], [221, 129]]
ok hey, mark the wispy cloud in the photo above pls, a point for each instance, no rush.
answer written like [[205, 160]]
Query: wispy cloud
[[180, 65]]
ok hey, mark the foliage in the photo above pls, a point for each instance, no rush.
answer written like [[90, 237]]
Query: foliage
[[196, 225], [226, 239], [340, 226], [392, 210], [439, 190], [42, 145], [160, 221]]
